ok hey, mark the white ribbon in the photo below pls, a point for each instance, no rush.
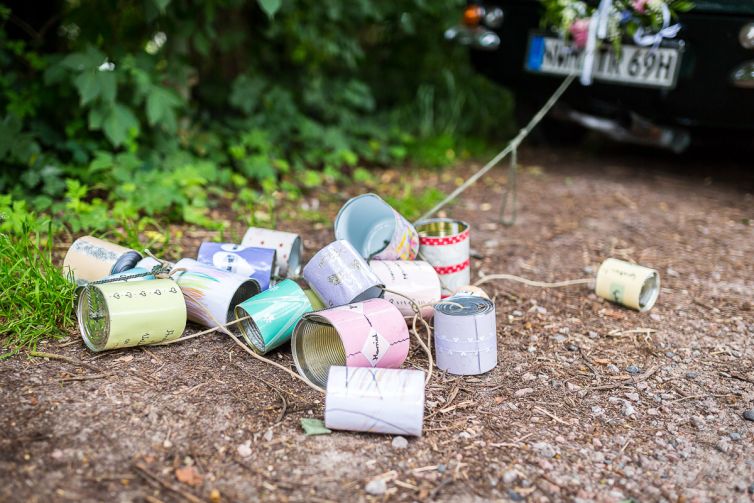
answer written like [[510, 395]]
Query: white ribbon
[[591, 45], [667, 31]]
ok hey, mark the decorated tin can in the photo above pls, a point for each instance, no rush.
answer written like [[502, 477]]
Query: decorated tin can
[[288, 246], [627, 284], [314, 300], [465, 335], [415, 279], [376, 230], [208, 289], [339, 276], [272, 315], [134, 313], [149, 263], [90, 259], [375, 400], [471, 290], [372, 333], [445, 245], [249, 261]]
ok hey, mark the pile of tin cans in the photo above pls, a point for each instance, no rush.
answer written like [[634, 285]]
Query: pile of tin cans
[[347, 326]]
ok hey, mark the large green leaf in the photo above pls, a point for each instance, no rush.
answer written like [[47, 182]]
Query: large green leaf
[[161, 104], [117, 124], [94, 83]]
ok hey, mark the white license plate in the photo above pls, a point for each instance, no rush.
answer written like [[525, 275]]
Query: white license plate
[[642, 66]]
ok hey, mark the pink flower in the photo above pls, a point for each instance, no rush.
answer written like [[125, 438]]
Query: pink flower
[[639, 5], [580, 32]]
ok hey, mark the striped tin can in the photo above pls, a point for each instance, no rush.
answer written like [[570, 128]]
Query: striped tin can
[[289, 248], [369, 334], [272, 315], [627, 284], [124, 314], [466, 335], [375, 400], [415, 279], [211, 290], [90, 259], [376, 230], [339, 276], [250, 261], [445, 245]]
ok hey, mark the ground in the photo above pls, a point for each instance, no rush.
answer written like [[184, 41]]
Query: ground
[[559, 418]]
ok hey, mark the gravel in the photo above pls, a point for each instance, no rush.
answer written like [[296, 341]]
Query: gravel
[[633, 369], [749, 415], [376, 487]]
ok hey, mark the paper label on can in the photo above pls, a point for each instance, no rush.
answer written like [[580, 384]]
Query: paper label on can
[[375, 347]]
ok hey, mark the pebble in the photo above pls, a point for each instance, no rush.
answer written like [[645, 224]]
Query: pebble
[[510, 476], [723, 445], [376, 487], [400, 443], [544, 449], [572, 347], [517, 313], [526, 391], [528, 376], [698, 422], [628, 409], [613, 369], [633, 369], [541, 310], [749, 415], [244, 450], [564, 330], [634, 397], [267, 435], [655, 316], [735, 436], [692, 375]]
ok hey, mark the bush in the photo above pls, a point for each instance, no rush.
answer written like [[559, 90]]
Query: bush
[[117, 109]]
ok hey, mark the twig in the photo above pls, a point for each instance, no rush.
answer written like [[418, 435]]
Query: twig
[[639, 379], [736, 376], [84, 378], [589, 365], [72, 361], [439, 487], [284, 402], [551, 415], [693, 397], [142, 470]]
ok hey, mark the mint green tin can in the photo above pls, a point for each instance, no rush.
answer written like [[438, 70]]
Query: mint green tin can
[[272, 315]]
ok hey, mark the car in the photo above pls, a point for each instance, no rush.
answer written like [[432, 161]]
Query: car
[[696, 83]]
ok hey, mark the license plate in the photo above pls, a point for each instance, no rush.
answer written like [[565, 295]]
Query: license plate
[[633, 65]]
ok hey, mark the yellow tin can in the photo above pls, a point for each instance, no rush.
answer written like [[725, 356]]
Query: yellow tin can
[[629, 285], [90, 259]]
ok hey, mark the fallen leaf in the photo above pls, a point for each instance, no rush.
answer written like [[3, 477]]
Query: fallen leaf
[[188, 475], [314, 426]]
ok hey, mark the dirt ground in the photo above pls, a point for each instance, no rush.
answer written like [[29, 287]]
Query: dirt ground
[[560, 418]]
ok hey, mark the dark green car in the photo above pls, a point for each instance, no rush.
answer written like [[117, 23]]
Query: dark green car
[[699, 82]]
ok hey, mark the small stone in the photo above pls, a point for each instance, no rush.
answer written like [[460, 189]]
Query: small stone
[[653, 412], [613, 369], [376, 487], [692, 375], [244, 450], [400, 443], [564, 330], [57, 454], [723, 445], [517, 313], [541, 310], [698, 422], [597, 410], [572, 347], [526, 391], [528, 377], [465, 435], [672, 272], [167, 444], [628, 409], [655, 316], [749, 415], [633, 369], [634, 397], [544, 449], [593, 335], [267, 435], [510, 476], [441, 468], [670, 354], [735, 436]]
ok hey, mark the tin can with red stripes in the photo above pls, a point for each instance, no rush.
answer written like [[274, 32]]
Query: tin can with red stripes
[[444, 243]]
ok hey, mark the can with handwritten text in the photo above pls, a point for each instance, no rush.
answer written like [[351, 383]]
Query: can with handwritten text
[[372, 333], [130, 313]]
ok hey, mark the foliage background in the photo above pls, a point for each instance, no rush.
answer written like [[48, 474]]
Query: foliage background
[[114, 113]]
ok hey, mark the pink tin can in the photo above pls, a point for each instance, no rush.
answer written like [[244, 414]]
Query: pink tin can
[[371, 334], [415, 279]]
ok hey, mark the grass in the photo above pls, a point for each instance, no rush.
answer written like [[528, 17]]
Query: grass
[[36, 300]]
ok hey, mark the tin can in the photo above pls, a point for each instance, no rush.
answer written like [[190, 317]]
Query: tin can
[[372, 333], [249, 261], [91, 259], [627, 284], [445, 245], [375, 400], [135, 274], [339, 276], [466, 335], [315, 301], [134, 313], [207, 288], [273, 315], [288, 246], [415, 279], [472, 290], [376, 230]]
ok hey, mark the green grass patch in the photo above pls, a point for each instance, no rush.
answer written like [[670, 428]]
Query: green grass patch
[[37, 299]]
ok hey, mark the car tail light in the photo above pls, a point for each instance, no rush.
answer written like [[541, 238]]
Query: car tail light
[[743, 75], [472, 15], [746, 36]]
